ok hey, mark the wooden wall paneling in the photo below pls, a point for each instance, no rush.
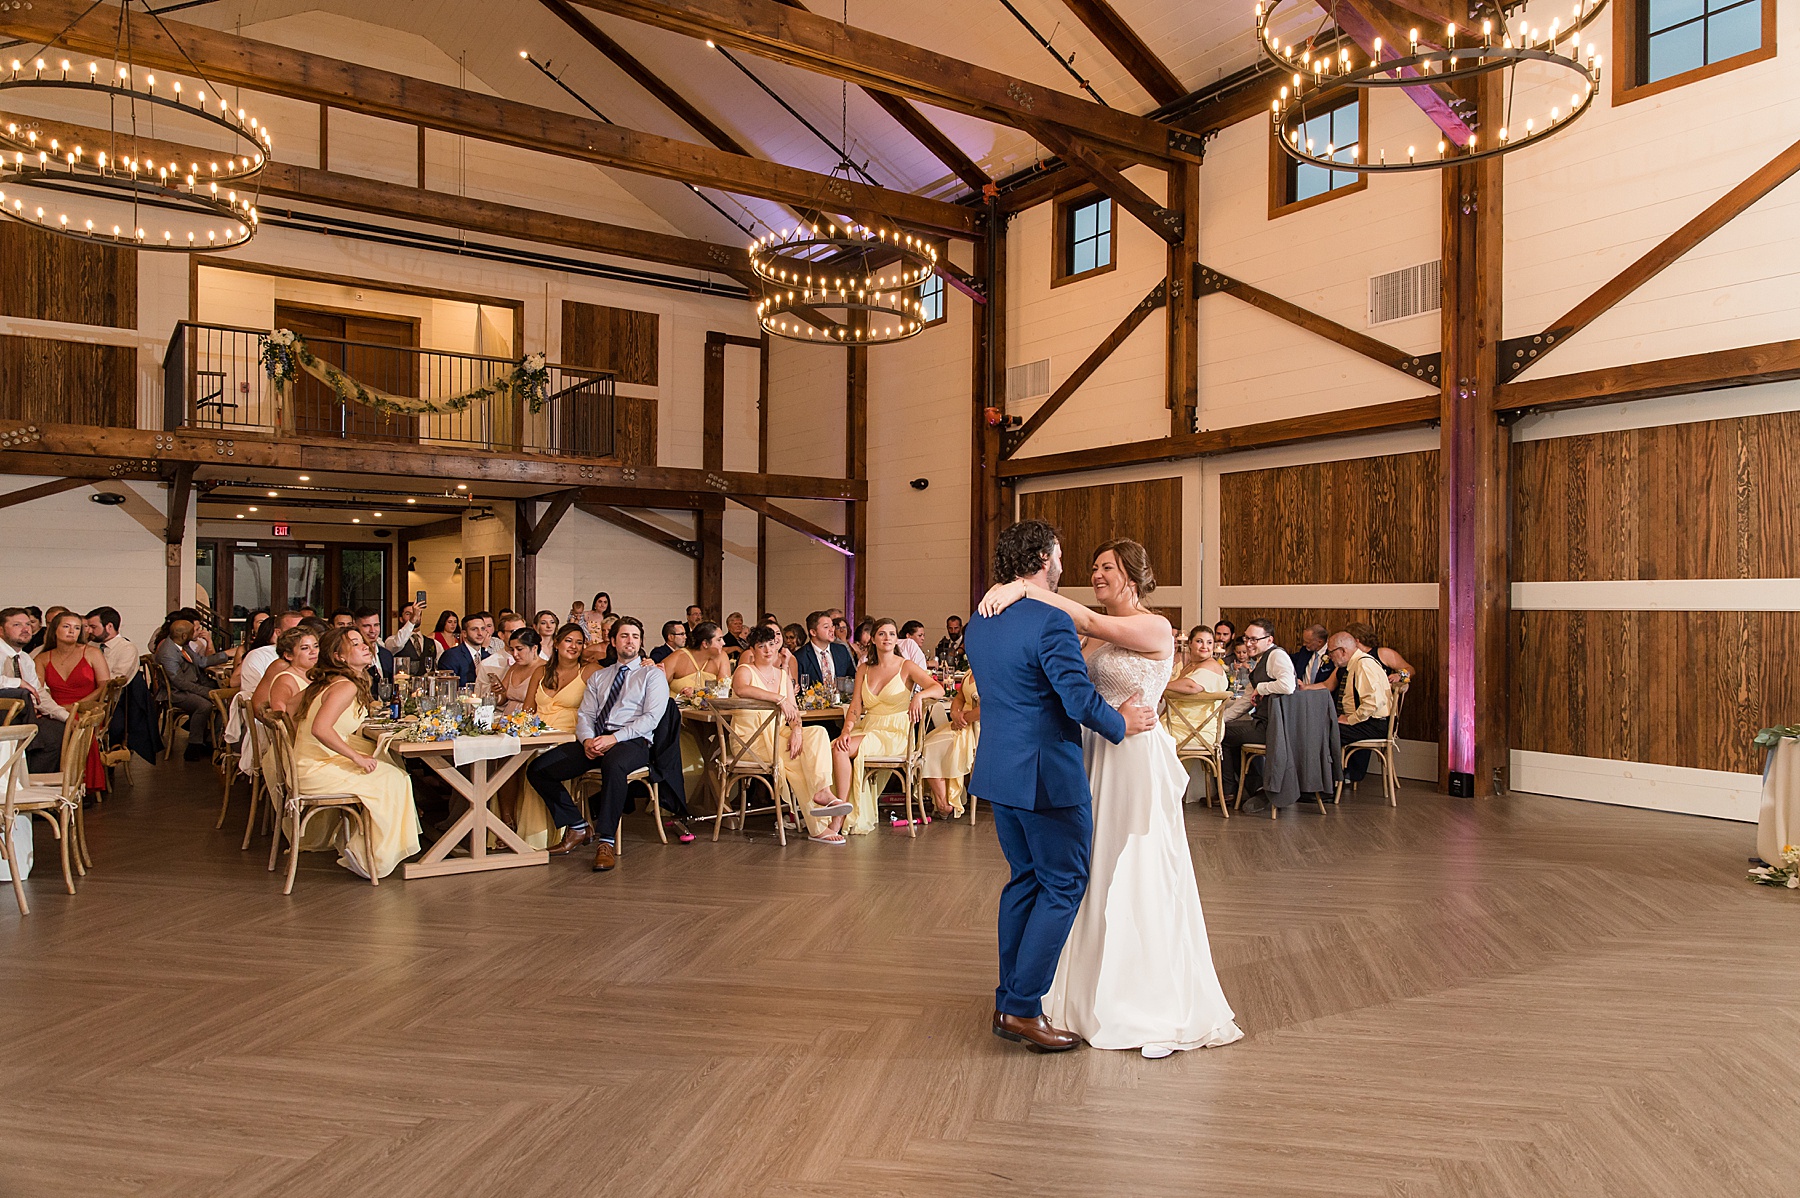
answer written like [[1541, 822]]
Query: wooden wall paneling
[[67, 382], [616, 339], [44, 276], [1601, 684], [1148, 512], [1361, 520], [1414, 633], [500, 587], [1711, 499]]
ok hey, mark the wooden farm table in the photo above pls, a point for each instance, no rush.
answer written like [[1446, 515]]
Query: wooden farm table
[[700, 715], [478, 786]]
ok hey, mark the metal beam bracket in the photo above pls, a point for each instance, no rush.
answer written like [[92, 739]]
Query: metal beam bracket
[[1426, 366], [1208, 281], [1191, 145], [1518, 353]]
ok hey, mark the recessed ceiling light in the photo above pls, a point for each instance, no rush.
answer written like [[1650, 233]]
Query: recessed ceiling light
[[462, 486], [356, 519], [412, 501], [306, 478], [272, 495], [240, 515], [253, 509], [378, 515]]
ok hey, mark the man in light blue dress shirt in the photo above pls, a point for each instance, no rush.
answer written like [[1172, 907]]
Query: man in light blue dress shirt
[[614, 729]]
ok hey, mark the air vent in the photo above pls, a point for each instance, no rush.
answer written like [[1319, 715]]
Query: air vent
[[1403, 293], [1028, 381]]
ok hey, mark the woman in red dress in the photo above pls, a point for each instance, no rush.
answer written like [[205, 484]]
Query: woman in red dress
[[72, 672]]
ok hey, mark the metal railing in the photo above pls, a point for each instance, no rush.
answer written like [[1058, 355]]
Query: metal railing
[[213, 381]]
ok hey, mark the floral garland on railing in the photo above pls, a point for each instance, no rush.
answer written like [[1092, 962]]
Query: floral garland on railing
[[284, 355]]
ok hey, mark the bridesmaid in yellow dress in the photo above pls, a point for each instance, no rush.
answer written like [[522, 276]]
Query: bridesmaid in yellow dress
[[331, 756], [805, 757], [511, 691], [556, 689], [1200, 685], [296, 653], [878, 722], [949, 752], [691, 671]]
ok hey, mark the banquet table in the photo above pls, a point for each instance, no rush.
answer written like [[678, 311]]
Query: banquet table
[[1778, 820], [478, 786]]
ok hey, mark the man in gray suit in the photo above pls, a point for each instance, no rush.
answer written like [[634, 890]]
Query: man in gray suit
[[190, 687]]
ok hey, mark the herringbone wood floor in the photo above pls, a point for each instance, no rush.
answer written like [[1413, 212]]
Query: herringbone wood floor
[[1526, 996]]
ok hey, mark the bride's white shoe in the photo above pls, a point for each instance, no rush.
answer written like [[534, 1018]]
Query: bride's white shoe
[[1156, 1052]]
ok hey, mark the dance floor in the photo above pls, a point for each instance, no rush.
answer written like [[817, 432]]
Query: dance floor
[[1526, 996]]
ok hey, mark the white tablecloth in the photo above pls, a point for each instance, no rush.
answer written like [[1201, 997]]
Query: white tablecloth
[[1778, 823], [483, 748]]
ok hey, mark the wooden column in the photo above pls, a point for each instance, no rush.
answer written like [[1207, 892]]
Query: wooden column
[[988, 494], [181, 490], [1183, 308], [709, 570], [762, 467], [856, 466], [1474, 598], [524, 558]]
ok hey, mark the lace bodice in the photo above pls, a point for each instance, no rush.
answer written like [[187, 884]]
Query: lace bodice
[[1117, 672]]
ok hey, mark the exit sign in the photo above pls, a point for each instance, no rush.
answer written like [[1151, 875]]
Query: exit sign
[[279, 530]]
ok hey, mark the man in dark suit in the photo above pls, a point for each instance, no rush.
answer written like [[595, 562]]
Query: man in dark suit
[[368, 622], [822, 658], [463, 657], [1313, 669], [1035, 699]]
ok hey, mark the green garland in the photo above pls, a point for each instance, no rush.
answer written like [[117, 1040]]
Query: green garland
[[284, 354]]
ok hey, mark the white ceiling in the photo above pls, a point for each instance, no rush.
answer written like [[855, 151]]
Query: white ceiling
[[1202, 41]]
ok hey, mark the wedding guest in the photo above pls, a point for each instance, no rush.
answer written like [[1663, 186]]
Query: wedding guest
[[792, 637], [19, 680], [840, 629], [823, 658], [297, 652], [121, 655], [332, 756], [804, 758], [865, 636], [462, 658], [382, 665], [73, 673], [500, 656], [890, 697], [674, 635], [578, 613], [40, 633], [555, 692], [617, 720], [1240, 663], [602, 605], [545, 625], [414, 653], [950, 653], [446, 632], [696, 615], [912, 643], [1369, 642], [190, 687], [1313, 669], [701, 664], [262, 654], [343, 617], [1199, 686], [1272, 674], [949, 752], [1367, 702], [512, 686], [1224, 633], [736, 631]]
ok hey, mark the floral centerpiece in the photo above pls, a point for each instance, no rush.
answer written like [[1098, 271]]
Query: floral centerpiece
[[521, 724], [816, 697], [443, 724]]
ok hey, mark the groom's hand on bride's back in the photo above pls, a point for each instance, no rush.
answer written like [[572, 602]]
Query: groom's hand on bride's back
[[1139, 716]]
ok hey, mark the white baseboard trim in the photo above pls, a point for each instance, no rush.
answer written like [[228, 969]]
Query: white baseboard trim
[[1715, 794]]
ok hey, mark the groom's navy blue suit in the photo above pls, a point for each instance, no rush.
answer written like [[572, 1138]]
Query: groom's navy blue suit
[[1035, 696]]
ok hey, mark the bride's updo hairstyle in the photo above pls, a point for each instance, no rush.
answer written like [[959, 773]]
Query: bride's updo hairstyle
[[1134, 559]]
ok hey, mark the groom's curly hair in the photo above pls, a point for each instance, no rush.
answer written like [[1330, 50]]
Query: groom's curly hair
[[1023, 549]]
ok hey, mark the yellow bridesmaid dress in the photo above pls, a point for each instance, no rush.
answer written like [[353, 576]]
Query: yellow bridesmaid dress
[[886, 721], [950, 752], [1196, 709], [804, 776], [558, 711], [386, 794]]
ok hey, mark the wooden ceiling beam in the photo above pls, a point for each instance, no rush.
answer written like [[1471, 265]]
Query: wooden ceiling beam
[[818, 534], [1773, 362], [641, 528], [44, 490], [1157, 298], [318, 79], [1371, 418], [816, 43], [164, 450], [1128, 49], [1165, 222], [644, 497]]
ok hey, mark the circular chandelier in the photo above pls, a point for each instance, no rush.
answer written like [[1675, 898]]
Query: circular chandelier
[[112, 191], [843, 283], [1500, 44]]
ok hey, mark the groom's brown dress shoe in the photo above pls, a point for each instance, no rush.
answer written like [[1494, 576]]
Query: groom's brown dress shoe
[[573, 838], [1035, 1033]]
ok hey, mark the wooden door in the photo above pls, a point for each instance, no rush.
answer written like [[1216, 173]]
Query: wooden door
[[474, 584], [499, 584], [317, 409]]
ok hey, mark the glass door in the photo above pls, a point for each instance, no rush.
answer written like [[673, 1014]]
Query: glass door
[[306, 580], [362, 580], [252, 586]]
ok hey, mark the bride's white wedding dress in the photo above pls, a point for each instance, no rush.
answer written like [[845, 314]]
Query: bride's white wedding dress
[[1137, 970]]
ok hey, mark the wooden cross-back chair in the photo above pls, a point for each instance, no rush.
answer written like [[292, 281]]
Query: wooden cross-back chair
[[909, 764], [297, 809], [746, 759], [1202, 742], [1388, 749]]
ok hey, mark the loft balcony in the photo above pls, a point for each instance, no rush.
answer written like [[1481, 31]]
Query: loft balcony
[[213, 383]]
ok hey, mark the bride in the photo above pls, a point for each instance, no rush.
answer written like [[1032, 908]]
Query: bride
[[1137, 970]]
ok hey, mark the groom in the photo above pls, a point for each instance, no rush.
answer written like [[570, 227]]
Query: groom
[[1035, 696]]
